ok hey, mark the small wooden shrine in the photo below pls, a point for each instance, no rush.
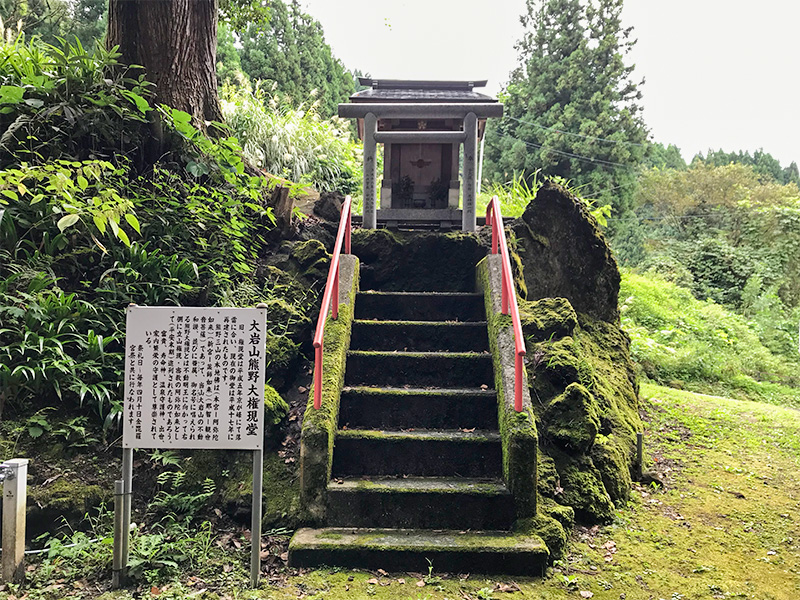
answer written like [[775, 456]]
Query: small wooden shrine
[[428, 129]]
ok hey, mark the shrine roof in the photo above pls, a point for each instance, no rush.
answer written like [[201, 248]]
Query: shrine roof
[[399, 90]]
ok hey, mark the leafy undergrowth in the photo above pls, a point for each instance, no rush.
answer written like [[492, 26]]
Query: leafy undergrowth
[[688, 343], [724, 525]]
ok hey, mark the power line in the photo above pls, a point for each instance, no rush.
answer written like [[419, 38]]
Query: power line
[[589, 159], [580, 135], [662, 218]]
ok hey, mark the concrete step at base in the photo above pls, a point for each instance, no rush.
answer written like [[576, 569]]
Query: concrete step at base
[[424, 453], [420, 502], [420, 336], [419, 369], [412, 549], [400, 408], [420, 306]]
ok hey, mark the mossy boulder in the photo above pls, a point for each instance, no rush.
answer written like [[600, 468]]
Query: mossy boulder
[[548, 481], [67, 499], [554, 365], [304, 262], [275, 407], [290, 307], [612, 466], [549, 529], [232, 473], [583, 382], [565, 254], [586, 407], [283, 356], [329, 206], [275, 410], [311, 259], [548, 318], [572, 419], [584, 491], [278, 283], [289, 317], [561, 513], [289, 326]]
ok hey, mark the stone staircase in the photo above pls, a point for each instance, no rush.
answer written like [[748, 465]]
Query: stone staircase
[[417, 460]]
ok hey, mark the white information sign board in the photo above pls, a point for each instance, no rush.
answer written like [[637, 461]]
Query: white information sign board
[[194, 378]]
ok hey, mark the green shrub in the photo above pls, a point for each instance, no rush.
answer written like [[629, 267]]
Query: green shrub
[[293, 142], [63, 102], [675, 337]]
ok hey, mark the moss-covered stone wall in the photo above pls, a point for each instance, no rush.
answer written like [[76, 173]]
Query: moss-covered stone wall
[[520, 439], [319, 425], [417, 261]]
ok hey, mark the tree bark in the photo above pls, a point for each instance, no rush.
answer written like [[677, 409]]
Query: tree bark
[[176, 43]]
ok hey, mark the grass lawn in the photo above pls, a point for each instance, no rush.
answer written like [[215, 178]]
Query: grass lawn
[[725, 525]]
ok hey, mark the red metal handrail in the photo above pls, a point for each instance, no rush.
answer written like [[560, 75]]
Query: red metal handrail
[[330, 299], [508, 293]]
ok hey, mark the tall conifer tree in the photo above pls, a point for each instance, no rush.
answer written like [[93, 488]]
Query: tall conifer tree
[[292, 51], [571, 106]]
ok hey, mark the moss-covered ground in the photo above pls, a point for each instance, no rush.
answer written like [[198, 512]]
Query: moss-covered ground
[[724, 525]]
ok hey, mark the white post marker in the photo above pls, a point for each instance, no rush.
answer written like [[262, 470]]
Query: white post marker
[[468, 211], [370, 204], [194, 378], [15, 491]]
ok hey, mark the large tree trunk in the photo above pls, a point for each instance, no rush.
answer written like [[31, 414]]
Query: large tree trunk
[[176, 42]]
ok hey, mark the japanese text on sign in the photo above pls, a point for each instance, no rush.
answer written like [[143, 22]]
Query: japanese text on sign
[[194, 378]]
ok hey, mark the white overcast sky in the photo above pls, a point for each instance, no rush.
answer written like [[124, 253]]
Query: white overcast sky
[[719, 73]]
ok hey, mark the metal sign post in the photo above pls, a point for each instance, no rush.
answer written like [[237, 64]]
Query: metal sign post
[[194, 378], [255, 523]]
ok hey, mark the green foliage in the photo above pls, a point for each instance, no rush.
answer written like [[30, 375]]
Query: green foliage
[[218, 225], [668, 268], [292, 52], [177, 500], [295, 143], [677, 338], [571, 107], [59, 101], [50, 353], [725, 225], [147, 277], [75, 554], [154, 557], [71, 194], [239, 13], [82, 236], [514, 195], [664, 157], [229, 65], [158, 553], [53, 19], [763, 163]]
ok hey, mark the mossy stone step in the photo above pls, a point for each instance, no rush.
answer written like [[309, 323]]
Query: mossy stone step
[[422, 408], [423, 453], [420, 336], [456, 551], [420, 502], [419, 369], [420, 306]]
